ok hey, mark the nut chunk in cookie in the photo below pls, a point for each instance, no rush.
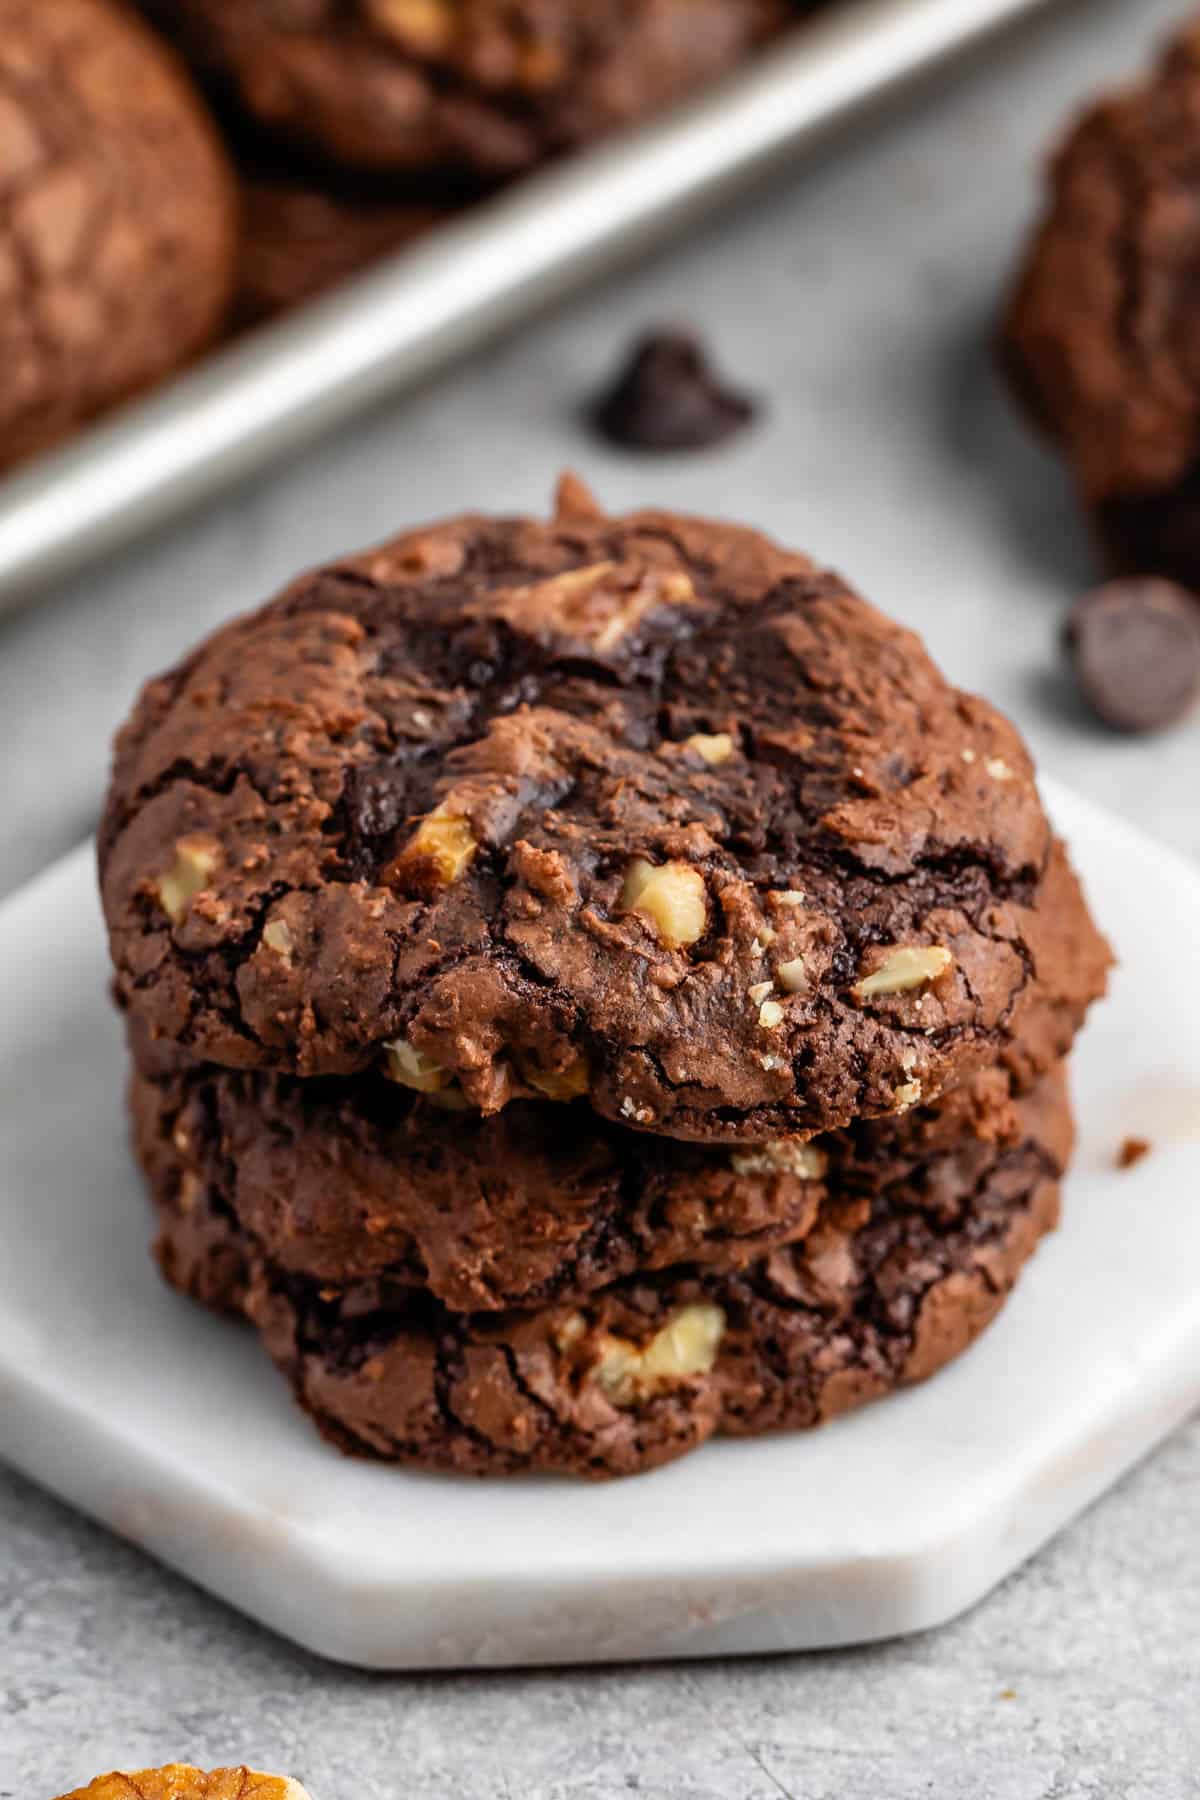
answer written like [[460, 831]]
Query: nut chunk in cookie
[[642, 811], [180, 1781], [117, 217]]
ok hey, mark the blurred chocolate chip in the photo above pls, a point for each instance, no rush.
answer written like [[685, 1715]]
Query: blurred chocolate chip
[[668, 397], [374, 799], [1136, 649]]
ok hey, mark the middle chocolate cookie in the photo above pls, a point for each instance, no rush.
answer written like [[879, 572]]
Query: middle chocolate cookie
[[349, 1182]]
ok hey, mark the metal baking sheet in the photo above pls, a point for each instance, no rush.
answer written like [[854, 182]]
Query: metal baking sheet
[[418, 310]]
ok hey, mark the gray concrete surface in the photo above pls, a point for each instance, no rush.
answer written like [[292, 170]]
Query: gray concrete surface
[[857, 294]]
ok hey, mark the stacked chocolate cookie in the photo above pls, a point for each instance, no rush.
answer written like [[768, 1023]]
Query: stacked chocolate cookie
[[591, 985]]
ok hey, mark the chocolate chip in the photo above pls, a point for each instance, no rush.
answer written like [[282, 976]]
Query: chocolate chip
[[374, 800], [1136, 649], [668, 397]]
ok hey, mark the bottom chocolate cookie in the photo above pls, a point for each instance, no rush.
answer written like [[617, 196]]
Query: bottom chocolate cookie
[[886, 1288]]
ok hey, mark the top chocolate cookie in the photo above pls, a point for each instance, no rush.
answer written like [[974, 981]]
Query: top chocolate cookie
[[647, 809], [488, 85]]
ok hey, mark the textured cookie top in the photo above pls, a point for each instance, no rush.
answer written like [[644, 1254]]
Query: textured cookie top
[[642, 809], [179, 1781], [489, 85], [116, 217], [1101, 336]]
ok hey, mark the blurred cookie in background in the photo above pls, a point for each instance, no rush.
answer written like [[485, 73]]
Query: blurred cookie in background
[[300, 239], [118, 215], [1102, 335], [493, 86]]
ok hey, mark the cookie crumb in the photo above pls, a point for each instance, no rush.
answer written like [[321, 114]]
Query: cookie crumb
[[1132, 1151]]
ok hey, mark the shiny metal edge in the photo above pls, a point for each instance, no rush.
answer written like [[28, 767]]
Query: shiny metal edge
[[414, 313]]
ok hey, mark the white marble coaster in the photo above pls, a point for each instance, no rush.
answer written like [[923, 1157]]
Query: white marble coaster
[[171, 1427]]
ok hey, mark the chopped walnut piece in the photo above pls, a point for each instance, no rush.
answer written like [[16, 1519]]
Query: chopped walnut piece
[[436, 855], [788, 897], [426, 26], [449, 1099], [760, 990], [792, 976], [597, 605], [541, 64], [770, 1015], [560, 1084], [786, 1156], [573, 1327], [277, 936], [411, 1068], [195, 860], [190, 1190], [907, 1096], [715, 750], [904, 968], [687, 1345], [672, 896]]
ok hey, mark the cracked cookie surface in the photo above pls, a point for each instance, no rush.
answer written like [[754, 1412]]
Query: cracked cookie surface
[[492, 86], [643, 810], [117, 217], [892, 1280], [1100, 339]]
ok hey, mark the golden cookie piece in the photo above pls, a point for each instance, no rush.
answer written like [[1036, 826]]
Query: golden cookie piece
[[180, 1781]]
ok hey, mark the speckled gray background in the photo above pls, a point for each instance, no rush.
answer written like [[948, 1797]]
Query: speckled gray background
[[856, 293]]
